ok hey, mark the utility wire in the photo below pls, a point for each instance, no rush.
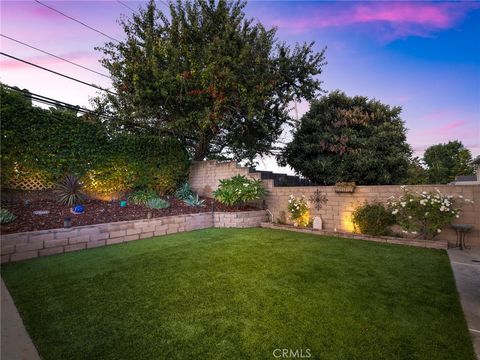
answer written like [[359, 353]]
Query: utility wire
[[78, 21], [50, 101], [121, 2], [55, 56], [57, 73]]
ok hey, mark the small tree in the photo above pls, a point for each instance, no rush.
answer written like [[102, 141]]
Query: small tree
[[219, 82], [345, 138], [445, 161]]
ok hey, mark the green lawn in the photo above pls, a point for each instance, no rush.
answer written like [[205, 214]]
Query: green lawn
[[241, 294]]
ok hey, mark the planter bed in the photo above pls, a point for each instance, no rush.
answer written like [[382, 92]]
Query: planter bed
[[432, 244], [96, 212]]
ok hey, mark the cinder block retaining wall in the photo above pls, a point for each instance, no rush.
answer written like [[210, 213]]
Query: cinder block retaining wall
[[28, 245], [336, 213]]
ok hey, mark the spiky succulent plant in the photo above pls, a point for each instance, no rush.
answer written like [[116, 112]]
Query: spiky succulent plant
[[69, 190]]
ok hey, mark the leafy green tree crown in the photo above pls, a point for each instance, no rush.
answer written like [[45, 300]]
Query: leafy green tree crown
[[445, 161], [208, 76], [345, 138]]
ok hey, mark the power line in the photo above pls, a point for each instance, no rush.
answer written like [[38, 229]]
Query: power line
[[57, 73], [55, 56], [50, 101], [121, 2], [78, 21]]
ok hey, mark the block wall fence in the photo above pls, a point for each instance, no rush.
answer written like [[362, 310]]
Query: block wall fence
[[336, 213], [29, 245]]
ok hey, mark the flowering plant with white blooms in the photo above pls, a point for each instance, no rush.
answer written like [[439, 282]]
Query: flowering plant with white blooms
[[298, 209], [425, 213]]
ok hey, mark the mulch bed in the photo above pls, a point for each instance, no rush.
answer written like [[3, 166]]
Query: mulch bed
[[96, 212]]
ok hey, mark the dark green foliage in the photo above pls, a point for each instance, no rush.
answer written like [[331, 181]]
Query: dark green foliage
[[373, 219], [345, 138], [6, 216], [445, 161], [184, 191], [239, 294], [417, 173], [51, 141], [205, 74], [70, 190], [158, 203], [142, 197], [194, 200], [238, 190], [57, 142]]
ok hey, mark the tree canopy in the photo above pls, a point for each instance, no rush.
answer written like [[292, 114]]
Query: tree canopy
[[345, 138], [220, 83], [445, 161]]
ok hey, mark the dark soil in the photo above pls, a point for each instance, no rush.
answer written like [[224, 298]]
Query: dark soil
[[96, 212]]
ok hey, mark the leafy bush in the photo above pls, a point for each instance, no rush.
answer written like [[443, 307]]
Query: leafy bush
[[157, 203], [55, 142], [184, 192], [69, 190], [373, 219], [113, 176], [6, 216], [298, 209], [142, 197], [194, 200], [238, 190], [424, 214], [158, 163]]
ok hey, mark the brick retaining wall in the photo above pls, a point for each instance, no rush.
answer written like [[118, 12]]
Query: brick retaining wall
[[336, 213], [28, 245]]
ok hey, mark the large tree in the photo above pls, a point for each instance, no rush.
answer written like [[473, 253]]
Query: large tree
[[345, 138], [445, 161], [205, 74]]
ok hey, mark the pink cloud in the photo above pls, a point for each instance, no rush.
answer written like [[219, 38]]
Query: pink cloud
[[401, 19], [49, 62]]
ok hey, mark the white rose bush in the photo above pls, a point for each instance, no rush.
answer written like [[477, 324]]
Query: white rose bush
[[298, 209], [425, 214]]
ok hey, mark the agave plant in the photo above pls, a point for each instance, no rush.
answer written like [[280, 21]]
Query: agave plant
[[157, 203], [6, 216], [184, 192], [69, 190], [194, 200]]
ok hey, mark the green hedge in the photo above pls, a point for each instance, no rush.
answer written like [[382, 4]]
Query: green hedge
[[55, 143]]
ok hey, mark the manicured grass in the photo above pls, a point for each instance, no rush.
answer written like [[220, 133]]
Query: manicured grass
[[240, 294]]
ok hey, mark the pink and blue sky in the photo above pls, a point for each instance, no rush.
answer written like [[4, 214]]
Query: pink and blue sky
[[423, 56]]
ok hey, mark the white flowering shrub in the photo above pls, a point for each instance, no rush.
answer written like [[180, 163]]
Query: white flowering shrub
[[424, 214], [238, 190], [298, 209]]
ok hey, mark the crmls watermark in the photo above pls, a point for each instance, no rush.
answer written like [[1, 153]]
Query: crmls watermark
[[292, 353]]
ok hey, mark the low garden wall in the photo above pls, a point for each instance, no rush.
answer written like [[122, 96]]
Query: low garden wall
[[336, 213], [28, 245]]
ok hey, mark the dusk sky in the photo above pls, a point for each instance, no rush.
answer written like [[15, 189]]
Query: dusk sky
[[423, 56]]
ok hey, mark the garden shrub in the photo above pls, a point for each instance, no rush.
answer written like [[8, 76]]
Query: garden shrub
[[110, 178], [58, 142], [6, 216], [239, 190], [157, 203], [184, 191], [194, 201], [160, 164], [53, 142], [424, 214], [373, 219], [298, 209], [142, 197]]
